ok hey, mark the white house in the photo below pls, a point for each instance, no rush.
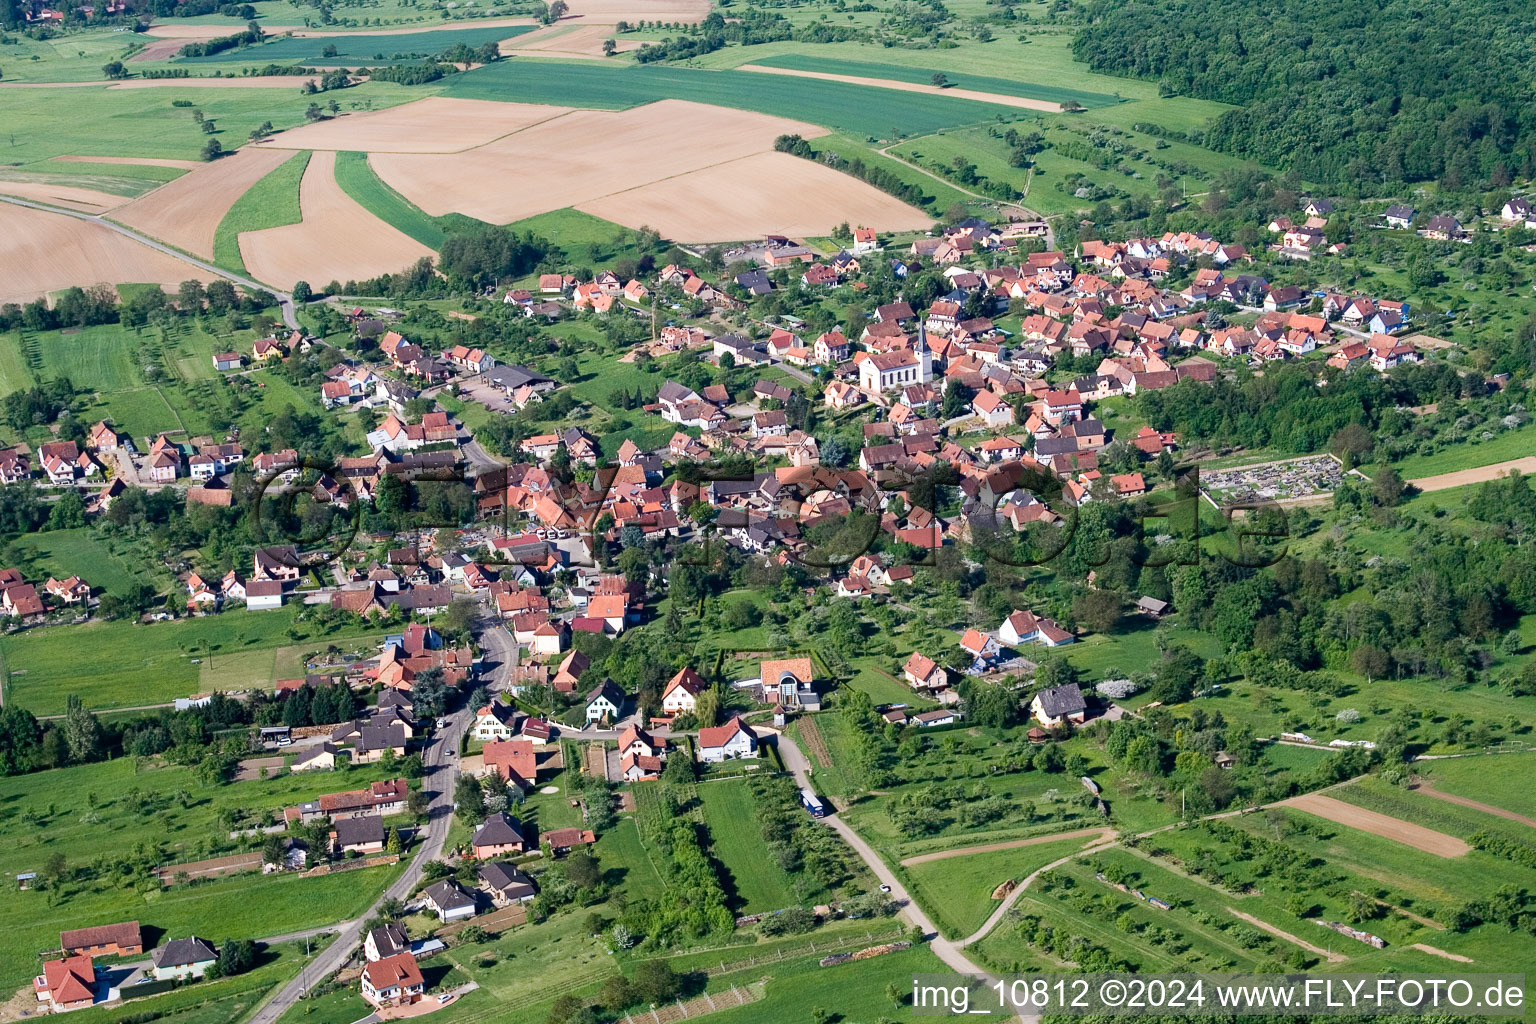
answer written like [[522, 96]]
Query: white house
[[727, 742], [393, 981], [183, 958], [605, 702], [449, 901], [682, 693]]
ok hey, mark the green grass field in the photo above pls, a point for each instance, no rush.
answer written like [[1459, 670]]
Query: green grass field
[[121, 664], [356, 178], [1501, 781], [924, 75], [84, 811], [103, 562], [359, 48], [957, 892], [755, 879], [860, 110], [270, 203], [143, 122]]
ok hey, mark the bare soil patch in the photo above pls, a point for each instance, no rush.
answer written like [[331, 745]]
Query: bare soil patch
[[1432, 951], [571, 41], [337, 239], [611, 12], [436, 124], [186, 212], [143, 161], [71, 197], [1092, 835], [586, 155], [1417, 836], [887, 83], [765, 193], [43, 252], [162, 48], [1288, 937], [1481, 474], [1429, 790]]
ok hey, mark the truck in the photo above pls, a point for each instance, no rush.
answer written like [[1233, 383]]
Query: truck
[[812, 803]]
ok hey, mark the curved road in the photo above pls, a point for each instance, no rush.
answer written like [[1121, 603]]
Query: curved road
[[442, 771], [284, 300]]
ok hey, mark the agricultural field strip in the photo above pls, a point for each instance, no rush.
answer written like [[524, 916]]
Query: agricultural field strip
[[966, 83], [1416, 836]]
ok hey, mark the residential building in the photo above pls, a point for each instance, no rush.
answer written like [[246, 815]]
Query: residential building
[[393, 981], [183, 958], [727, 742]]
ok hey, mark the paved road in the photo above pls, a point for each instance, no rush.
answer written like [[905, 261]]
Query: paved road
[[284, 300], [948, 951], [440, 757]]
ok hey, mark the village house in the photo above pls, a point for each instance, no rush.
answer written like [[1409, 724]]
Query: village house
[[1059, 705], [182, 959], [505, 883], [449, 901], [388, 939], [499, 836], [125, 939], [392, 981], [922, 673], [66, 984], [734, 739], [362, 835], [681, 695]]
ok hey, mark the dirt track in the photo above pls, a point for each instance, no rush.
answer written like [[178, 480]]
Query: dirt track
[[1098, 835], [71, 197], [1417, 836], [1432, 951], [1479, 475], [890, 83], [1429, 790], [1333, 958]]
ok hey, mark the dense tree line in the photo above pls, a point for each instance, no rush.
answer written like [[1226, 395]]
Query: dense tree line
[[1387, 90], [208, 47], [747, 28]]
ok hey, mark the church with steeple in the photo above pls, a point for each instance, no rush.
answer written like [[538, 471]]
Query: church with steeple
[[892, 370]]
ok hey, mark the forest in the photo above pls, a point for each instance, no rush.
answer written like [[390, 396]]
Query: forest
[[1357, 94]]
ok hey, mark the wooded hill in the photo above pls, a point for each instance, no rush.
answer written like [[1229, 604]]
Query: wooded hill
[[1375, 92]]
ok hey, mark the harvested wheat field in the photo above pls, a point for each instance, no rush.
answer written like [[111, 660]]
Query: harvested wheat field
[[71, 197], [43, 252], [337, 239], [570, 41], [163, 48], [144, 161], [436, 124], [1399, 831], [584, 156], [186, 212], [611, 12], [768, 193], [890, 83]]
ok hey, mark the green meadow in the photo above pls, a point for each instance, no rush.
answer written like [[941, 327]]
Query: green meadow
[[860, 110], [122, 664], [922, 75], [360, 48]]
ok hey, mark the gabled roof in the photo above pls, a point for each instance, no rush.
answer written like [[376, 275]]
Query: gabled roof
[[720, 735], [499, 830]]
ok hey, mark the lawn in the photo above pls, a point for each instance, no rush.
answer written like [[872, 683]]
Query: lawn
[[87, 811], [1469, 453], [856, 109], [957, 892], [406, 47], [270, 203], [122, 664], [625, 861], [753, 880], [943, 195], [924, 76]]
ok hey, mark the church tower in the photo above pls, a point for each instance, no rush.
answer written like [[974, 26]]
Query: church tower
[[924, 355]]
